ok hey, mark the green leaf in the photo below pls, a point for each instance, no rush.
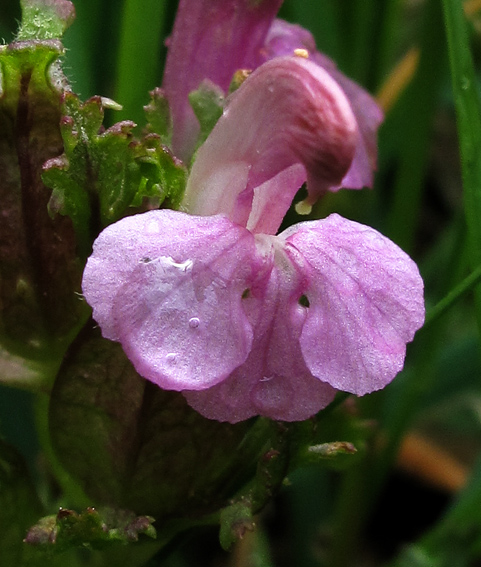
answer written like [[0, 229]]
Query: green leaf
[[40, 272], [90, 181], [102, 173], [159, 118], [207, 103], [134, 446], [45, 19], [235, 520], [468, 112], [163, 176]]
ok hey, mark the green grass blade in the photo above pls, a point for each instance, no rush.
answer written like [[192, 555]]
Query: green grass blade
[[140, 54], [468, 113], [388, 37], [410, 124]]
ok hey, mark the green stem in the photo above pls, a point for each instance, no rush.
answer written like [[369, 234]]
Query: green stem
[[442, 306], [351, 507]]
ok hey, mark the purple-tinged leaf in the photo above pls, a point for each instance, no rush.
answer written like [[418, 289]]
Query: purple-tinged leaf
[[132, 445], [39, 269], [91, 528]]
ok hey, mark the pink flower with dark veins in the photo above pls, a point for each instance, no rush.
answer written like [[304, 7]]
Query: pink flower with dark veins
[[212, 302], [282, 39]]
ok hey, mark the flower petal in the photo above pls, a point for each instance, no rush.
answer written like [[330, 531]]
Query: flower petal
[[366, 302], [283, 38], [211, 39], [288, 114], [281, 397], [274, 381], [168, 287]]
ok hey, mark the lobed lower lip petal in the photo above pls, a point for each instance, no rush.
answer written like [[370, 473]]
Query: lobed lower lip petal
[[365, 303], [168, 286]]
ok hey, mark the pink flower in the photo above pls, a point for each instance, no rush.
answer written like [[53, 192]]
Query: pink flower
[[287, 124], [243, 321], [211, 40], [214, 38], [282, 39]]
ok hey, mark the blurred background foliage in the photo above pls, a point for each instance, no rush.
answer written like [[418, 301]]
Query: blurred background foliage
[[413, 495]]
